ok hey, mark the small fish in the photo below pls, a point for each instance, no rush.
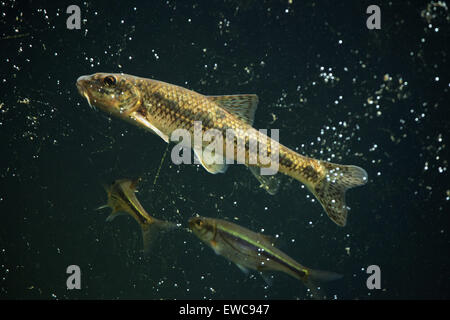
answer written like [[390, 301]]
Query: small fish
[[122, 200], [248, 249], [163, 108]]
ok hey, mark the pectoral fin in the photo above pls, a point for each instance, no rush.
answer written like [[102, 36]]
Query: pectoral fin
[[145, 123], [213, 168]]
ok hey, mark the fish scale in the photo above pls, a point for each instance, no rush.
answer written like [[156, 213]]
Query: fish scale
[[163, 108], [192, 107]]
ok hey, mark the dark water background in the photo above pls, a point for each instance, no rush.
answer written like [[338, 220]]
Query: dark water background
[[376, 98]]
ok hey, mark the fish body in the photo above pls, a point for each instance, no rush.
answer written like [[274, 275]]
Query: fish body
[[122, 199], [163, 108], [251, 250]]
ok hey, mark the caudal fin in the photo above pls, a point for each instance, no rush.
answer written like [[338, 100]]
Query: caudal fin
[[330, 191], [152, 230], [315, 277]]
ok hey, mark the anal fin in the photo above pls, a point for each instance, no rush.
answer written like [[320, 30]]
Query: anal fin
[[210, 166], [268, 279], [269, 183]]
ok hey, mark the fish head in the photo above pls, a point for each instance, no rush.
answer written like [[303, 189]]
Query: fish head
[[202, 227], [114, 93]]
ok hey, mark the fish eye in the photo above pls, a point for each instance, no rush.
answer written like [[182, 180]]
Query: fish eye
[[199, 223], [109, 80]]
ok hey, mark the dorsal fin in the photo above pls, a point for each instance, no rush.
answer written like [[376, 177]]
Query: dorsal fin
[[242, 106], [267, 239]]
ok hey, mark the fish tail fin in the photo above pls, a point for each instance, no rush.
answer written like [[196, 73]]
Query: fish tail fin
[[330, 190], [150, 232], [315, 277]]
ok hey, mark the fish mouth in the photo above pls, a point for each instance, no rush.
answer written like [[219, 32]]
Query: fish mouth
[[81, 86], [195, 224], [81, 82], [191, 223]]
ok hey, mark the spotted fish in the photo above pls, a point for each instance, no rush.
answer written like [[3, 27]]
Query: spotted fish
[[163, 108]]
